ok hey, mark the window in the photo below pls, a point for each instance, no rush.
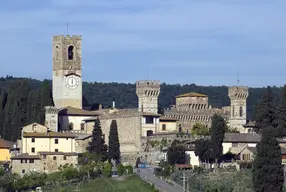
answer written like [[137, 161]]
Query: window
[[33, 140], [149, 120], [163, 127], [70, 52], [246, 157], [22, 161], [56, 141], [82, 126], [45, 156], [233, 111], [23, 171], [65, 157], [31, 160], [56, 150], [240, 111], [149, 133], [54, 157], [33, 149]]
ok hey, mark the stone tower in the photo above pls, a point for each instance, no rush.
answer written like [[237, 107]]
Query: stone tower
[[67, 71], [148, 92], [238, 96]]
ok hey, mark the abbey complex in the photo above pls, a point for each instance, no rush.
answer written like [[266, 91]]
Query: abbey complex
[[68, 127]]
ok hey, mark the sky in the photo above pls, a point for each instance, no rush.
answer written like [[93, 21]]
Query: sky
[[206, 42]]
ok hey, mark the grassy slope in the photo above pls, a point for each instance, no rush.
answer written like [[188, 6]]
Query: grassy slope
[[130, 184]]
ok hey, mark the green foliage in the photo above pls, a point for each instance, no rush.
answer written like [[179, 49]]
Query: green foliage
[[164, 170], [2, 171], [97, 147], [69, 172], [129, 169], [164, 142], [113, 142], [176, 153], [29, 181], [107, 169], [267, 167], [218, 129], [154, 143], [265, 110], [120, 169], [281, 114], [199, 129], [203, 150]]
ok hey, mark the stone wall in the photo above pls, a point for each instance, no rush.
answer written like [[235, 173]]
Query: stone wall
[[129, 131], [26, 166], [81, 145], [50, 165]]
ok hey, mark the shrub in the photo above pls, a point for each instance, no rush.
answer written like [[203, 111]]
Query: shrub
[[120, 169], [107, 170], [129, 169]]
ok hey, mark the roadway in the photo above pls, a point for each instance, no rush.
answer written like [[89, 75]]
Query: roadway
[[147, 174]]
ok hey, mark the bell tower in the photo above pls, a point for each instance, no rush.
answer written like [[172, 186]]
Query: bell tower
[[148, 92], [238, 96], [67, 71]]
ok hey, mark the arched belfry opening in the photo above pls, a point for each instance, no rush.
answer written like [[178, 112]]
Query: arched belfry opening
[[70, 52], [240, 111]]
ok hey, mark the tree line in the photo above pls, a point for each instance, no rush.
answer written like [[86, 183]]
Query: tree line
[[22, 99]]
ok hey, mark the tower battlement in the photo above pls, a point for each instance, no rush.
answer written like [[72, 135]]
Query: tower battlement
[[148, 92], [238, 92]]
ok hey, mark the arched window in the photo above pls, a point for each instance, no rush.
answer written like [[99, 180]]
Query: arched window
[[70, 52], [240, 111], [149, 132]]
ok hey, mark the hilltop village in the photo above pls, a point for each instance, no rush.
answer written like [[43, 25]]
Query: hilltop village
[[68, 127]]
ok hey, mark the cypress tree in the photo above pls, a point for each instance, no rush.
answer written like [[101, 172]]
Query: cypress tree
[[267, 169], [8, 110], [46, 99], [265, 110], [218, 130], [113, 144], [97, 146], [281, 114]]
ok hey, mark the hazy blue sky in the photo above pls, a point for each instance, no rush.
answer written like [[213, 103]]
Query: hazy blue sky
[[181, 41]]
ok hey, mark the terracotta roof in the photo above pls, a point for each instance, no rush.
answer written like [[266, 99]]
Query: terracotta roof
[[191, 94], [26, 156], [167, 118], [250, 124], [49, 134], [76, 111], [245, 138], [254, 150], [57, 153], [6, 144]]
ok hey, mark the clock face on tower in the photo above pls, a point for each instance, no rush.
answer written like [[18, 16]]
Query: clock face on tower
[[72, 82]]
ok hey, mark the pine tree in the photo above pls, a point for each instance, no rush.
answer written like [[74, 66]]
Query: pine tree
[[113, 144], [97, 145], [265, 110], [218, 130], [281, 114], [267, 169]]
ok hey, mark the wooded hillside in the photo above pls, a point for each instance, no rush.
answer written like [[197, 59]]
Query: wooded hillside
[[22, 100]]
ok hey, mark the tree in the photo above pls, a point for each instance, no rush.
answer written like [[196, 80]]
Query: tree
[[113, 143], [281, 114], [218, 130], [176, 153], [204, 150], [200, 129], [97, 145], [265, 110], [267, 170]]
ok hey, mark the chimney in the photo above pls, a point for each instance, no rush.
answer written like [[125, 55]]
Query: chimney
[[113, 104], [100, 107]]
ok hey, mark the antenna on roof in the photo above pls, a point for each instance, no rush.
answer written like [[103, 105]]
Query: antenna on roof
[[148, 74], [237, 79], [67, 28]]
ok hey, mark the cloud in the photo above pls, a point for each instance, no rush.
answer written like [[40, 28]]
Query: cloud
[[166, 35]]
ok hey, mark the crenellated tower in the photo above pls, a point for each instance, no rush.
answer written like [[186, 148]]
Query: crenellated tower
[[148, 93], [67, 71], [238, 96], [51, 118]]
